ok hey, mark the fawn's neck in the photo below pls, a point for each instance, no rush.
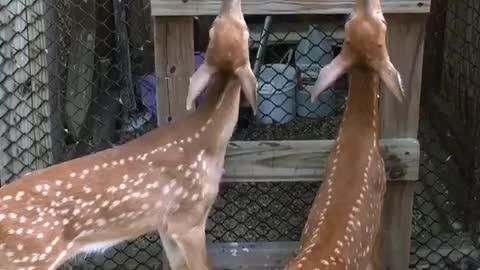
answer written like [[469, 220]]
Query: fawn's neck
[[208, 128], [219, 113], [361, 117]]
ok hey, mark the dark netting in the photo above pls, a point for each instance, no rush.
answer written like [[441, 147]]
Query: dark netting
[[78, 76], [446, 219], [287, 53]]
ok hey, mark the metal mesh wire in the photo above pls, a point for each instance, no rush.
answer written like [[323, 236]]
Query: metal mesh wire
[[77, 77], [446, 202]]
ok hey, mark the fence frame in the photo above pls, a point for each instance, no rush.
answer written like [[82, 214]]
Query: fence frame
[[174, 55]]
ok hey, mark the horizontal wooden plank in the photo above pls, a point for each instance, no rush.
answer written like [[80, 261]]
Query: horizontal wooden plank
[[274, 255], [251, 256], [271, 7], [276, 161], [292, 33]]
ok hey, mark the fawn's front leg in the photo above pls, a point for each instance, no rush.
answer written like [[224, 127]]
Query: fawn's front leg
[[175, 257], [189, 250], [194, 248]]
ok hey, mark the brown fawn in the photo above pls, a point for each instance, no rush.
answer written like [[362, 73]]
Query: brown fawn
[[164, 181], [343, 227], [227, 52]]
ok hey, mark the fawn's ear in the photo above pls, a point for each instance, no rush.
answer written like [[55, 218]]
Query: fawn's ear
[[198, 82], [392, 79], [329, 74], [249, 85]]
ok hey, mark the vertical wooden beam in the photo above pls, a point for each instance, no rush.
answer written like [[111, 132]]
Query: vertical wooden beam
[[173, 64], [174, 54], [25, 142], [160, 49], [13, 75], [406, 34], [42, 148]]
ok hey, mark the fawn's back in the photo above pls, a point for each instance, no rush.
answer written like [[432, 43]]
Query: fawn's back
[[165, 180]]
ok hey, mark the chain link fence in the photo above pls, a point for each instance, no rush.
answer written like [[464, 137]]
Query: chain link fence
[[446, 223], [77, 77]]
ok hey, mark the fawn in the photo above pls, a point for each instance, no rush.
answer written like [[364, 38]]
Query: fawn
[[165, 180], [343, 227]]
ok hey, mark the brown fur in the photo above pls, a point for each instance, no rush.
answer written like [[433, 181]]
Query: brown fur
[[226, 49], [67, 204], [227, 52], [343, 229]]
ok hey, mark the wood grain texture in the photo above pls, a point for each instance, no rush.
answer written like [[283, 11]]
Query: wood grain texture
[[38, 45], [273, 161], [173, 64], [397, 222], [405, 36], [271, 7], [160, 46], [25, 142]]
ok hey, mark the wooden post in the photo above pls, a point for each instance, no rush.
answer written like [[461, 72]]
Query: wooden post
[[25, 142], [406, 34], [39, 79], [173, 64], [267, 7]]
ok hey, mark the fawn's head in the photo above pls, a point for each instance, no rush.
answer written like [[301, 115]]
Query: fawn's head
[[229, 36], [364, 47], [227, 52]]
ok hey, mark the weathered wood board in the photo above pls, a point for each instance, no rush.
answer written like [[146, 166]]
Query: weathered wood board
[[405, 39], [267, 161], [293, 32], [264, 7], [173, 65], [25, 142]]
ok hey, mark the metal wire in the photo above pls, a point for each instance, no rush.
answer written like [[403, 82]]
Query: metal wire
[[77, 77]]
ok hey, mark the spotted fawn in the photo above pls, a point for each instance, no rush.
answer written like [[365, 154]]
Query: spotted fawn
[[165, 181], [343, 227]]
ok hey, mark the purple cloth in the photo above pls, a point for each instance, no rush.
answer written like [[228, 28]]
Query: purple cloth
[[147, 86], [199, 56]]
